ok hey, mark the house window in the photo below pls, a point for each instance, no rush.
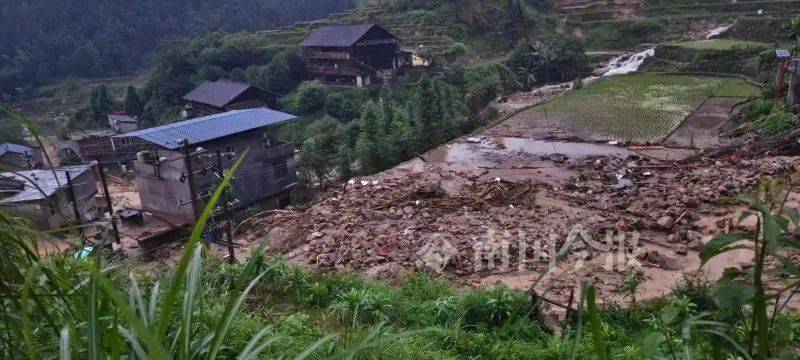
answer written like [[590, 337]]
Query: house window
[[281, 171]]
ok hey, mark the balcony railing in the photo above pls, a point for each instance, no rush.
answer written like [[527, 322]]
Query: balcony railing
[[334, 55]]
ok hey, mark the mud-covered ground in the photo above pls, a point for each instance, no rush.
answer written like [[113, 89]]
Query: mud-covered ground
[[489, 194]]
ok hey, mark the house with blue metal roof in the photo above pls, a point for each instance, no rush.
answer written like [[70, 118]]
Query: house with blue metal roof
[[179, 168]]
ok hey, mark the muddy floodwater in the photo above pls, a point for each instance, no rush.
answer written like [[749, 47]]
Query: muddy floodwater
[[489, 148]]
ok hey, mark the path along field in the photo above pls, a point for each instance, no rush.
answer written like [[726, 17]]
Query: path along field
[[636, 108]]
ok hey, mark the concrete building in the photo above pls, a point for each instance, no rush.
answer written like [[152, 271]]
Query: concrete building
[[15, 157], [224, 95], [43, 197], [166, 185]]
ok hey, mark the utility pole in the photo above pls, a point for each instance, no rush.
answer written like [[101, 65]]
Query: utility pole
[[74, 202], [226, 209], [110, 207], [190, 179]]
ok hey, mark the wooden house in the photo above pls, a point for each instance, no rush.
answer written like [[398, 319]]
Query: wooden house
[[351, 54], [217, 97]]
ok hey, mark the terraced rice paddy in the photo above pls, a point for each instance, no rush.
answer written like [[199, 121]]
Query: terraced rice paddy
[[720, 44], [637, 108]]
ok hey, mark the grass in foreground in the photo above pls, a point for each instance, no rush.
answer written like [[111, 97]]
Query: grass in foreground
[[639, 108]]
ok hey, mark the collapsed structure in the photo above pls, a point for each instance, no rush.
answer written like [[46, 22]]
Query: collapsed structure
[[16, 157], [46, 198]]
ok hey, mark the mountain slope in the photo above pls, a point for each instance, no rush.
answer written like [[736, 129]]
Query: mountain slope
[[44, 39]]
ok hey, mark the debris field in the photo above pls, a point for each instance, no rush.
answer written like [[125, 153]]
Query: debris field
[[396, 220]]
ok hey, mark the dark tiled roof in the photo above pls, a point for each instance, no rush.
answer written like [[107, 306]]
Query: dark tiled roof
[[16, 149], [338, 35], [39, 184], [218, 93], [208, 128]]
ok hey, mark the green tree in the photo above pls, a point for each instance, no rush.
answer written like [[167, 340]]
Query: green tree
[[310, 97], [370, 148], [100, 105], [345, 107], [254, 77], [132, 104], [344, 162], [211, 72], [426, 115], [86, 61], [312, 164], [277, 75], [237, 74], [10, 131], [543, 62], [400, 134]]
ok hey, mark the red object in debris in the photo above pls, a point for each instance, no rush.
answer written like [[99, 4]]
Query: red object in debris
[[383, 251]]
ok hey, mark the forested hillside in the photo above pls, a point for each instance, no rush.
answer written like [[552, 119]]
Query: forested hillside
[[44, 39]]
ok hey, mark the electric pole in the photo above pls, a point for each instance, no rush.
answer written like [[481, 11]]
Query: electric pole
[[226, 209], [110, 207], [74, 202], [190, 179]]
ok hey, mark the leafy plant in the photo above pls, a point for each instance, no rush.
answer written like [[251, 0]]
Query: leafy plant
[[777, 122], [362, 305], [771, 242], [630, 285], [491, 307]]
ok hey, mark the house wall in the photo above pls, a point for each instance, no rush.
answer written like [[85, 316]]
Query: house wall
[[38, 212], [160, 187], [101, 148], [14, 161], [195, 110], [126, 127], [377, 51], [57, 211], [161, 190], [251, 98], [254, 95]]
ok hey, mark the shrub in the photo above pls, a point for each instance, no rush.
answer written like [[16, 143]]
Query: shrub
[[757, 109], [776, 123], [310, 97], [698, 289], [422, 287], [456, 49], [363, 305], [347, 107], [490, 308]]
